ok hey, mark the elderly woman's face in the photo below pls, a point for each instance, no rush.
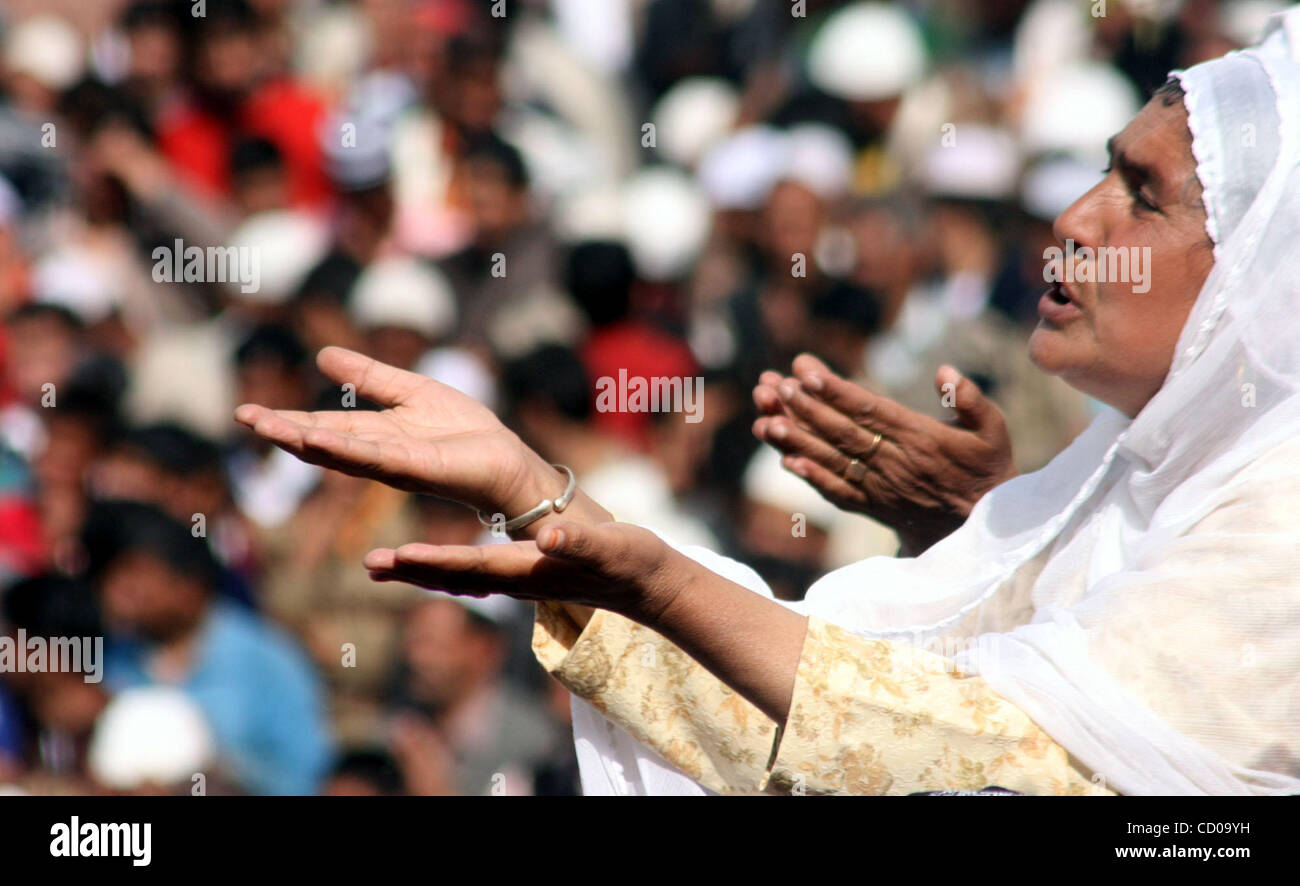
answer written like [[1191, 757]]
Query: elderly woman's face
[[1115, 338]]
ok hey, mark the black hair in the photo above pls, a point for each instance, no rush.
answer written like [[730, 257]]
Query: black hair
[[1170, 92], [93, 394], [148, 13], [254, 154], [220, 15], [329, 399], [599, 275], [90, 105], [271, 341], [488, 147], [850, 304], [331, 279], [481, 44], [114, 529], [375, 766], [552, 374], [46, 311], [173, 448], [51, 605]]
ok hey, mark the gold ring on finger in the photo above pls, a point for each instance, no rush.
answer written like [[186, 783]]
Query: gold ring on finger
[[875, 444], [855, 471]]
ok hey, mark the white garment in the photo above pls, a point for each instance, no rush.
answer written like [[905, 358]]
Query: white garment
[[634, 489], [1162, 648], [269, 489]]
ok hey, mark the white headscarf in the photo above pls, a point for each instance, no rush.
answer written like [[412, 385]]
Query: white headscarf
[[1164, 660]]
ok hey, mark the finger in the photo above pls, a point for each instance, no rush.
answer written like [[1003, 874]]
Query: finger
[[862, 406], [324, 446], [270, 425], [364, 454], [974, 411], [457, 568], [829, 484], [603, 547], [793, 440], [766, 399], [340, 420], [837, 429], [386, 385]]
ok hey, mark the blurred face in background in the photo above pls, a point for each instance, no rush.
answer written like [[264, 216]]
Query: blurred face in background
[[964, 240], [131, 475], [395, 345], [154, 56], [467, 87], [72, 443], [273, 382], [65, 702], [364, 221], [887, 259], [123, 474], [142, 595], [446, 655], [263, 189], [321, 320], [494, 204], [791, 222], [42, 349], [227, 61]]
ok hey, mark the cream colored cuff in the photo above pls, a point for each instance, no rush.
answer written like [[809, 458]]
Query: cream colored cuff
[[659, 695]]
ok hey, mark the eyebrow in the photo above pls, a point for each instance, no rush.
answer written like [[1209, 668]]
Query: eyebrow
[[1140, 173]]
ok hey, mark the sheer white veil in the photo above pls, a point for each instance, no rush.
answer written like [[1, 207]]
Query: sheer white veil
[[1162, 660]]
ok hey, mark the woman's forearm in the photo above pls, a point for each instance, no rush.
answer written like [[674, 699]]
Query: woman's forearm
[[747, 641]]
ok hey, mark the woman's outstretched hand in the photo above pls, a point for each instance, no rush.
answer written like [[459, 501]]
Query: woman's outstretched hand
[[429, 438], [614, 566], [924, 475], [749, 642]]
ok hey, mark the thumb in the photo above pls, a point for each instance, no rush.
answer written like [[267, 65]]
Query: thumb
[[974, 411], [584, 544]]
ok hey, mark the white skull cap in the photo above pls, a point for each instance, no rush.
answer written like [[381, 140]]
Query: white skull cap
[[980, 163], [691, 117], [150, 735], [740, 171], [406, 293], [867, 51], [666, 220], [1075, 108], [48, 49], [767, 482], [288, 245]]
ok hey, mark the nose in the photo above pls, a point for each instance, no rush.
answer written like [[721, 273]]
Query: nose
[[1080, 220]]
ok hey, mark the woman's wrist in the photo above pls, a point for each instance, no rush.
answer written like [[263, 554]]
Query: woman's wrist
[[663, 582], [548, 483], [542, 481]]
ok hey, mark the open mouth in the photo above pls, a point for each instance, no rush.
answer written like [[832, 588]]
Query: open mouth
[[1057, 294]]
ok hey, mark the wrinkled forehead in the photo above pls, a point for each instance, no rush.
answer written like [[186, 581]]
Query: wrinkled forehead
[[1233, 117]]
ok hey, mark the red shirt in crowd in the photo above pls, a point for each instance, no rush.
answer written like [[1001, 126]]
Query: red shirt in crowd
[[197, 143], [643, 350]]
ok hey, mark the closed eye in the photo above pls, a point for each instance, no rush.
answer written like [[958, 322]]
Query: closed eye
[[1135, 177]]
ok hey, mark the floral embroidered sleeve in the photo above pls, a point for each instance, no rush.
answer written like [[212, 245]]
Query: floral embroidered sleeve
[[866, 716]]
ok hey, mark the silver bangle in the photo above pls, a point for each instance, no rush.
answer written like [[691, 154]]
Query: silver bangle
[[543, 508]]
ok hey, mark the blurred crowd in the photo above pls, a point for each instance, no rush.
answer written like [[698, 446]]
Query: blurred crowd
[[517, 198]]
